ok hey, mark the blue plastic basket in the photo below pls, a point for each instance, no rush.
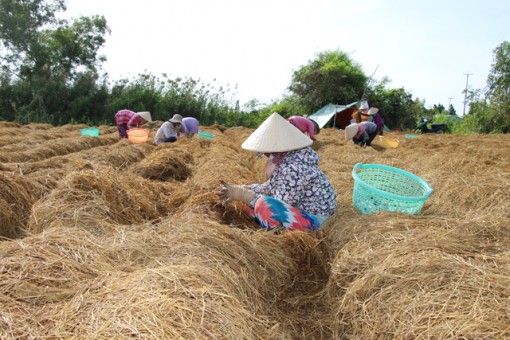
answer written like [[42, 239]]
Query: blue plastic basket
[[380, 187]]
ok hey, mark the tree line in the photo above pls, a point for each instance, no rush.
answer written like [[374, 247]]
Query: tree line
[[51, 73]]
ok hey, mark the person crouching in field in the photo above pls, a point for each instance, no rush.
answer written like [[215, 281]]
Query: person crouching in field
[[127, 119], [190, 126], [361, 133], [297, 194], [305, 125], [376, 119], [168, 132]]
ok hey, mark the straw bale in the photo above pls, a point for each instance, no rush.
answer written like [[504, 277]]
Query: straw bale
[[165, 162], [426, 293], [154, 125], [94, 199], [9, 125], [421, 282], [185, 279], [39, 184], [180, 301], [38, 126], [218, 127], [226, 276], [119, 155], [41, 274], [72, 127], [18, 140], [49, 267], [50, 148], [238, 134], [15, 204]]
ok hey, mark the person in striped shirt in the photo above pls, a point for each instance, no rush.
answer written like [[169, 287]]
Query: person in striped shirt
[[127, 119]]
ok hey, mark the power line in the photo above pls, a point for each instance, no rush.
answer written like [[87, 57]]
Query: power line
[[465, 92]]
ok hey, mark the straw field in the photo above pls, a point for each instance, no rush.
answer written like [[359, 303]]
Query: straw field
[[105, 239]]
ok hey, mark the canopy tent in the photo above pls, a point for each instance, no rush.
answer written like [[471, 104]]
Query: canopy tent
[[341, 113]]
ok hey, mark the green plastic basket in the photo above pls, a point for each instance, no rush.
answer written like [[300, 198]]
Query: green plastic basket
[[93, 132], [380, 188]]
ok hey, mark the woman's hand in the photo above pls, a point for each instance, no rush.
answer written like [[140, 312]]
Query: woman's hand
[[230, 192]]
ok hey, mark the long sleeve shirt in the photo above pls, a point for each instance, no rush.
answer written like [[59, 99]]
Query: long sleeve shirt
[[132, 119], [299, 182], [365, 128], [377, 119], [165, 131], [304, 125], [190, 125]]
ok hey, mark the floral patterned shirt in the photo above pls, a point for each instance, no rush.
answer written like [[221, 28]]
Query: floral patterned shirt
[[299, 182]]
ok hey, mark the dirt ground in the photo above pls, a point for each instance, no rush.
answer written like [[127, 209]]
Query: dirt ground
[[104, 238]]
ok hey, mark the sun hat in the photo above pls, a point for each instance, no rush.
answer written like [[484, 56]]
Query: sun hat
[[351, 130], [177, 118], [145, 115], [276, 134], [372, 111], [364, 106]]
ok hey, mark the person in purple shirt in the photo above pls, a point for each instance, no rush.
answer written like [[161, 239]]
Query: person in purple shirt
[[377, 119], [190, 126]]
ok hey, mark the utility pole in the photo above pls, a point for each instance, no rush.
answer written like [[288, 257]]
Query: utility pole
[[465, 93], [450, 101]]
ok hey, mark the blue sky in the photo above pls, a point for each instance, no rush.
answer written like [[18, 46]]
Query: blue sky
[[425, 46]]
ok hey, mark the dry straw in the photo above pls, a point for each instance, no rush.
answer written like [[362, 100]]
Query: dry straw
[[419, 283], [15, 204], [96, 198], [165, 162], [166, 260], [179, 279]]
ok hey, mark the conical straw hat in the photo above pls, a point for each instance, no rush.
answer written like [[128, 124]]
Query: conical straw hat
[[145, 115], [276, 134], [351, 131], [372, 111]]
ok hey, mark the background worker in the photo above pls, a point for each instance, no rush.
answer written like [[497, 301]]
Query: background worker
[[190, 126], [361, 133], [127, 119], [377, 119], [305, 125], [168, 132], [363, 113]]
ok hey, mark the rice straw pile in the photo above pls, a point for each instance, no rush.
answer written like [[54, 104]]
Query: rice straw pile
[[15, 203], [95, 199], [420, 283], [121, 240], [165, 162], [178, 279], [436, 275]]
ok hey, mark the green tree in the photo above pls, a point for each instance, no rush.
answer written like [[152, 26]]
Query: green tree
[[451, 110], [43, 56], [397, 106], [332, 77], [491, 113]]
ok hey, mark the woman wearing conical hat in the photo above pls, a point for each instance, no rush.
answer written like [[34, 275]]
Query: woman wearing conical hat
[[297, 194], [127, 119]]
